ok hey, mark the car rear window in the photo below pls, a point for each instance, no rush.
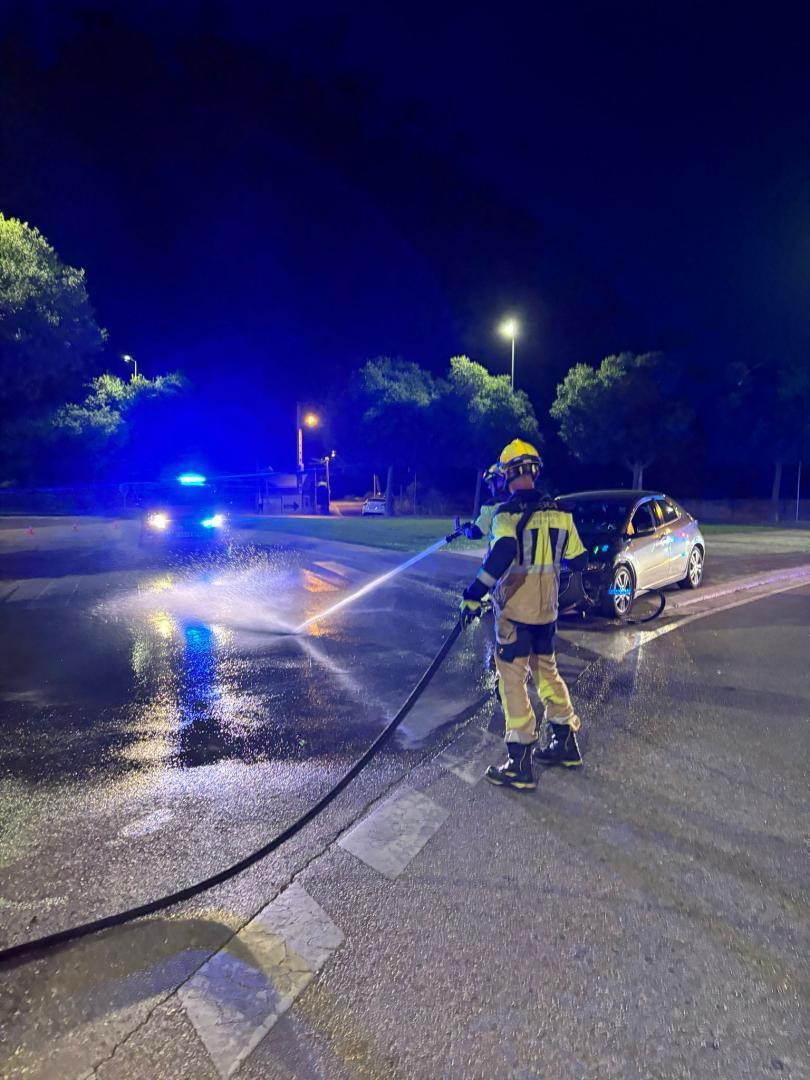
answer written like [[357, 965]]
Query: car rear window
[[593, 515]]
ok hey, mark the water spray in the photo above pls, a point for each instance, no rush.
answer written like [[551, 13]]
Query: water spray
[[373, 584]]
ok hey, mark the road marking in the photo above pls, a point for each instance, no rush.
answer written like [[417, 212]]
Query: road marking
[[616, 642], [238, 995], [644, 637], [333, 568], [42, 903], [394, 834], [468, 756], [794, 575], [149, 823]]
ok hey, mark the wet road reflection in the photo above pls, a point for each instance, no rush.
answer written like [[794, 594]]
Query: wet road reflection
[[189, 662]]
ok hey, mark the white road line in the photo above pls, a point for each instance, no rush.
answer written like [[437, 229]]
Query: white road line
[[392, 835], [795, 574], [468, 756], [149, 823], [238, 995], [48, 585], [644, 637]]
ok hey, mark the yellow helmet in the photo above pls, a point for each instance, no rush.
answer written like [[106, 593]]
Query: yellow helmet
[[518, 457]]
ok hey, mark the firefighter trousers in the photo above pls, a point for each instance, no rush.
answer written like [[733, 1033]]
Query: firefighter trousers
[[523, 650]]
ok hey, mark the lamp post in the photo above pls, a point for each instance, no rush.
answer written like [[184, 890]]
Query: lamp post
[[303, 419], [131, 360], [509, 329]]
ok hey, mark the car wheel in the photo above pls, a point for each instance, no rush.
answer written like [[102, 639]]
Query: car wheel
[[694, 572], [618, 597]]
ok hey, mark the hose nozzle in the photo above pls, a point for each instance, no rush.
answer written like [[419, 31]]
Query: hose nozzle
[[457, 531]]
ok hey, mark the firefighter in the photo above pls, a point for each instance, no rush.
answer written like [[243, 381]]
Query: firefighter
[[530, 536], [494, 479]]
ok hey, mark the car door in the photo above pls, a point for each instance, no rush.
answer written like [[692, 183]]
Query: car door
[[650, 555], [675, 539]]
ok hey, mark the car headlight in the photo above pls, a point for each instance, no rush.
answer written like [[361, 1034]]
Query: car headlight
[[158, 521], [215, 522]]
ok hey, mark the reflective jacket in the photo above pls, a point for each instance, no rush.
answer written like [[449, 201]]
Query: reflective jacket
[[530, 537]]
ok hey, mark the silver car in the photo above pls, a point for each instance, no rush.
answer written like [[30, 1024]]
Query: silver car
[[375, 506], [636, 540]]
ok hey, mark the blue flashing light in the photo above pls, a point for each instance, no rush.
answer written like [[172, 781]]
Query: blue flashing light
[[215, 522], [191, 479]]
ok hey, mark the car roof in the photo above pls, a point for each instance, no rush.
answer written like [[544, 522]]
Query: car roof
[[613, 495]]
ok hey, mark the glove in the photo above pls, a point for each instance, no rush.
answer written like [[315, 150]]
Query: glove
[[469, 611], [471, 530]]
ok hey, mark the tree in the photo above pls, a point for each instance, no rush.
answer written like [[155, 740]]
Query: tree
[[387, 416], [631, 410], [769, 416], [48, 333], [96, 429], [484, 414], [49, 338], [398, 414]]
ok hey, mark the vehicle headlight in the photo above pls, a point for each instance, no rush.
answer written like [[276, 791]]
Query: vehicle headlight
[[158, 521], [215, 522]]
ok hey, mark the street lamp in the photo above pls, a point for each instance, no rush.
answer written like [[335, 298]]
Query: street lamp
[[131, 360], [509, 329], [302, 420]]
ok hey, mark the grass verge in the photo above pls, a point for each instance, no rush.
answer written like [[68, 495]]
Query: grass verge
[[416, 533], [397, 534]]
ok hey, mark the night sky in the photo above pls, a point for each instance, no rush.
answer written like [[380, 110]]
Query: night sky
[[267, 198]]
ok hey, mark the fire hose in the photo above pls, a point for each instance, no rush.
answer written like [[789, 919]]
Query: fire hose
[[585, 604], [26, 949]]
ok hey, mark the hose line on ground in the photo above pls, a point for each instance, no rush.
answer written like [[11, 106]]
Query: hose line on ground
[[61, 937], [662, 603]]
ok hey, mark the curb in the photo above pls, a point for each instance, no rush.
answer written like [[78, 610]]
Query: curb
[[795, 574]]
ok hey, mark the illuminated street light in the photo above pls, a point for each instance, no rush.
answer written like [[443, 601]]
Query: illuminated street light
[[303, 419], [509, 329], [131, 360]]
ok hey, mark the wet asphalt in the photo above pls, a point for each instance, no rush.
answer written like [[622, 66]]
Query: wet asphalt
[[158, 714], [159, 723]]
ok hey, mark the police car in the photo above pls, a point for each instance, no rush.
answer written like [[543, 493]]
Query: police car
[[188, 510]]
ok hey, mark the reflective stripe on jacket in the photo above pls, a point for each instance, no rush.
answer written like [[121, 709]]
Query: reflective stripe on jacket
[[542, 535]]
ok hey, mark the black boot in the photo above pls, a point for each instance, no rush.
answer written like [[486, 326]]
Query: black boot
[[563, 748], [516, 772]]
